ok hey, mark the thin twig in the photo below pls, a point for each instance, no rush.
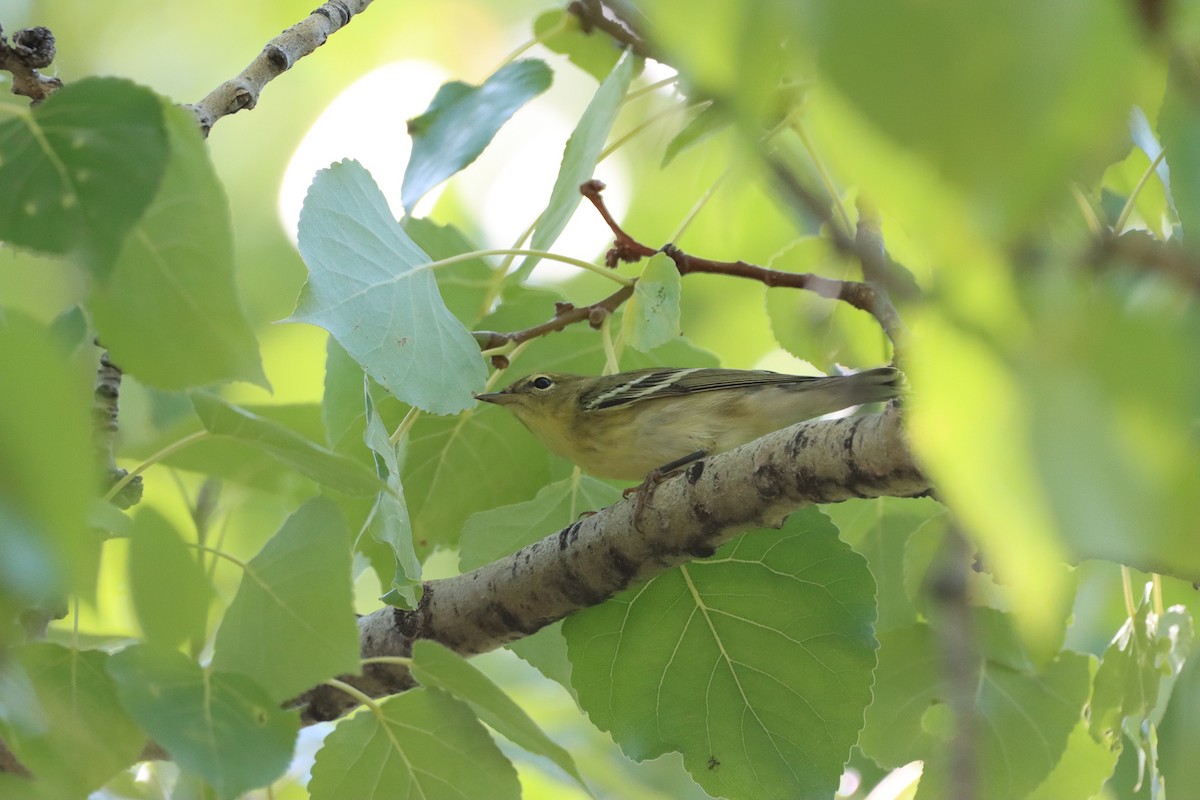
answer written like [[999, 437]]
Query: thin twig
[[279, 55], [565, 314], [864, 296]]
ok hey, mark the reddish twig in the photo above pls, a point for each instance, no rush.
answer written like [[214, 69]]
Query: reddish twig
[[625, 247], [564, 314], [865, 296]]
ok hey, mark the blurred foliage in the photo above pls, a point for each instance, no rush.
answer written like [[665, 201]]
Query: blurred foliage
[[1034, 171]]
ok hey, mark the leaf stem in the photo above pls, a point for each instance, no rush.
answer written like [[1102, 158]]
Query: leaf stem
[[546, 254], [405, 425], [396, 661], [649, 88], [826, 179], [219, 554], [361, 697], [1123, 217], [166, 452]]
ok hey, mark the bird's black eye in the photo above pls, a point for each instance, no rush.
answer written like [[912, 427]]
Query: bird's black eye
[[542, 382]]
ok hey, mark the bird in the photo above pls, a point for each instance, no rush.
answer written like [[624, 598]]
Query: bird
[[631, 424]]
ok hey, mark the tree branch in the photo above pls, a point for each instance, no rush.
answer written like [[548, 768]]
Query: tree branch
[[584, 564], [31, 49], [279, 55]]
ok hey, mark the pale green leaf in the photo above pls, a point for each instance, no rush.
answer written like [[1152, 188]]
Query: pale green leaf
[[220, 726], [167, 584], [462, 120], [391, 524], [369, 286], [497, 532], [421, 745], [755, 664], [291, 624], [438, 667], [651, 316], [579, 158], [330, 469], [80, 169], [169, 312]]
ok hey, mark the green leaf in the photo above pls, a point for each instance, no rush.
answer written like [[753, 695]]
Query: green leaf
[[47, 475], [1179, 128], [497, 532], [880, 531], [220, 726], [83, 736], [291, 624], [467, 287], [306, 457], [579, 159], [546, 651], [167, 584], [712, 118], [1081, 772], [1125, 486], [169, 312], [391, 524], [651, 317], [1012, 130], [562, 32], [755, 664], [1139, 669], [80, 169], [369, 286], [821, 330], [1023, 718], [342, 407], [462, 120], [437, 667], [486, 450], [420, 745]]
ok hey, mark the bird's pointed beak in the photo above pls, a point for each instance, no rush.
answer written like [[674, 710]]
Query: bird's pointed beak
[[499, 398]]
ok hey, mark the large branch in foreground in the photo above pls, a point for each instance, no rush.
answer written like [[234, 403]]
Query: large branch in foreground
[[279, 55], [690, 516]]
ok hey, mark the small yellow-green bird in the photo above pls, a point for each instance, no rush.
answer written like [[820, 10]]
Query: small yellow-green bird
[[627, 425]]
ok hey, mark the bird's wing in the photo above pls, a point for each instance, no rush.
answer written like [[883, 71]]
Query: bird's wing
[[648, 384]]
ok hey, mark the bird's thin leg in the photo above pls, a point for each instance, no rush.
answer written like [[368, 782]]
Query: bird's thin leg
[[645, 489]]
